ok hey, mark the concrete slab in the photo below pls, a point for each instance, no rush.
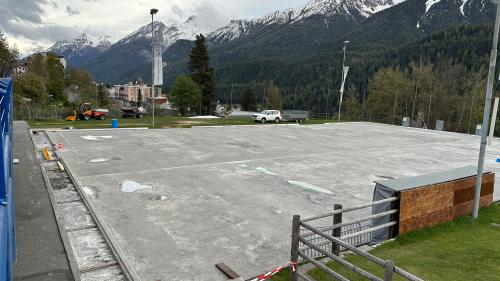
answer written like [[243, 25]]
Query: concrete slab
[[40, 252], [228, 194]]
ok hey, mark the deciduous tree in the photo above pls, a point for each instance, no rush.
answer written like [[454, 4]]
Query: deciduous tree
[[185, 94], [274, 100]]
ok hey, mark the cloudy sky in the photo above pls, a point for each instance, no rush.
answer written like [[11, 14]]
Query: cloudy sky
[[39, 23]]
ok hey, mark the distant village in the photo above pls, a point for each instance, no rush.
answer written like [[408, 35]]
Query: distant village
[[136, 92]]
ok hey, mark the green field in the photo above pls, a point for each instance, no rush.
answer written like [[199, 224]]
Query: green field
[[160, 122], [462, 250]]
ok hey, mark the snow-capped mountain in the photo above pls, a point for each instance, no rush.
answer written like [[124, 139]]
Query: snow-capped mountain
[[303, 31], [103, 44], [442, 13], [354, 10], [79, 50], [136, 48], [166, 34]]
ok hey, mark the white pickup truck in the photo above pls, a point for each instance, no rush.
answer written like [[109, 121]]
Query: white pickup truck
[[267, 116]]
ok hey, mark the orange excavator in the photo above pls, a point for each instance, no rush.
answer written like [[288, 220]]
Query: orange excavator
[[86, 112]]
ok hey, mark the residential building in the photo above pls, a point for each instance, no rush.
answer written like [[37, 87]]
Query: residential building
[[20, 69], [130, 92]]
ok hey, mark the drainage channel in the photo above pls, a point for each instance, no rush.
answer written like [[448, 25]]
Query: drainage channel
[[90, 252]]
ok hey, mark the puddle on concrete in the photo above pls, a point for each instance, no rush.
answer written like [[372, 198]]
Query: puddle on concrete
[[309, 186], [132, 186], [265, 171], [95, 138], [103, 160]]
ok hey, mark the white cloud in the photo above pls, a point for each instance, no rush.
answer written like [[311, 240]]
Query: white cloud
[[29, 23]]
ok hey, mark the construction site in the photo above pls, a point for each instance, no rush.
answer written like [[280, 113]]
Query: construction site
[[139, 204]]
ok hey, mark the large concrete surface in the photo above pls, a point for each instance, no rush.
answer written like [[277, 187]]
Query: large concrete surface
[[228, 194], [40, 251]]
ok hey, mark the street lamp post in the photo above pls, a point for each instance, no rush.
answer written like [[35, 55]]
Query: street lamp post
[[153, 12], [343, 79]]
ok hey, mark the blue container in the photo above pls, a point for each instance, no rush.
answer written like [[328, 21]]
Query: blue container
[[114, 123]]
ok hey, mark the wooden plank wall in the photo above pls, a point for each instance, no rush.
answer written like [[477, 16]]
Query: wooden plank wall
[[434, 204]]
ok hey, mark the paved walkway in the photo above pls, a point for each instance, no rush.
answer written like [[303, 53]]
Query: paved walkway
[[40, 251]]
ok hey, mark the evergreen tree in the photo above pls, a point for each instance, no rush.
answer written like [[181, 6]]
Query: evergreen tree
[[248, 101], [202, 74], [139, 98], [102, 95], [352, 104]]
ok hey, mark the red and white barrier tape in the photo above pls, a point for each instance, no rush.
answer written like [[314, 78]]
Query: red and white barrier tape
[[274, 271]]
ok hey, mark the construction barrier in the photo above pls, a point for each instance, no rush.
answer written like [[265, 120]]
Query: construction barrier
[[269, 274], [7, 230]]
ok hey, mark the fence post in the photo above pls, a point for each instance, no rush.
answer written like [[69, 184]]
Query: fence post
[[294, 253], [389, 270], [337, 232], [394, 230]]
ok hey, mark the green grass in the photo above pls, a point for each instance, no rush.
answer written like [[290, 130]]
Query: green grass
[[161, 122], [461, 250]]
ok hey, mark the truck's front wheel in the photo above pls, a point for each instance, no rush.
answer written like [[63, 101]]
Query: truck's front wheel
[[263, 120]]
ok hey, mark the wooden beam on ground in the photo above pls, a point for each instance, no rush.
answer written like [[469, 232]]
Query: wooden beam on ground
[[227, 271], [61, 166]]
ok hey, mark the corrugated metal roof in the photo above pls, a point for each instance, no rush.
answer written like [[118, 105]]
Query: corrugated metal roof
[[430, 179]]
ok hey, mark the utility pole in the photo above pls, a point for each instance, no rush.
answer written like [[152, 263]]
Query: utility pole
[[232, 87], [344, 74], [96, 91], [486, 114], [152, 12]]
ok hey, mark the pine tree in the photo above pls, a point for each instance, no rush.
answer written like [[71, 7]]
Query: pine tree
[[102, 95], [139, 98], [248, 101], [202, 74]]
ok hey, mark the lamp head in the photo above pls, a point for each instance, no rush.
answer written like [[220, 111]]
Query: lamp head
[[346, 42], [153, 11]]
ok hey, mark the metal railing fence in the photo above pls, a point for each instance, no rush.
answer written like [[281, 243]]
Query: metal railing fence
[[310, 243], [7, 230]]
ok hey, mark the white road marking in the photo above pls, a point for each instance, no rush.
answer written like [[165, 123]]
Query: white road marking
[[309, 186], [265, 171]]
